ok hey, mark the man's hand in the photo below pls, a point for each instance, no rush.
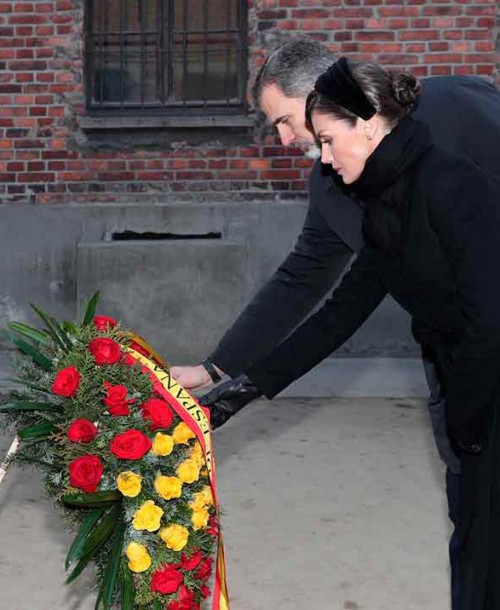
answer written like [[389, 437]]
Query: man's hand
[[228, 398], [191, 377]]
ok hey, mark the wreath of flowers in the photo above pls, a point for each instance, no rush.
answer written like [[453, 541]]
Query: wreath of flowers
[[120, 460]]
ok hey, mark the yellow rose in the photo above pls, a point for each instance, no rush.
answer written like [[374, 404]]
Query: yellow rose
[[200, 518], [129, 483], [138, 557], [147, 517], [182, 433], [175, 536], [202, 499], [188, 471], [168, 487], [197, 454], [162, 444]]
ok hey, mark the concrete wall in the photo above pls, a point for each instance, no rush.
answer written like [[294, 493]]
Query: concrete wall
[[181, 294]]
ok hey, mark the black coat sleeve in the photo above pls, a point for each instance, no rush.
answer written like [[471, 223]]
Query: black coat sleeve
[[287, 298], [465, 212], [357, 296]]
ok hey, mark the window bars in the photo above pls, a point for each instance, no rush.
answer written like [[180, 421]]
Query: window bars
[[148, 55]]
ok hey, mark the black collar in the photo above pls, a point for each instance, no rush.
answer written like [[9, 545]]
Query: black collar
[[398, 151]]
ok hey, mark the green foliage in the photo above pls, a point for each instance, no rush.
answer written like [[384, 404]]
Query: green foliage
[[90, 309], [104, 518]]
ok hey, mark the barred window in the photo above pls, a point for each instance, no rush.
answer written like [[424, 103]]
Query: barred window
[[146, 55]]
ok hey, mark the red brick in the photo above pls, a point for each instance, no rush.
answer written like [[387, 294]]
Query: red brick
[[437, 11], [421, 23], [484, 47], [28, 19], [280, 174], [418, 35], [439, 46], [36, 177], [453, 35], [380, 36], [443, 58], [309, 13], [441, 70], [398, 59], [194, 175], [478, 35]]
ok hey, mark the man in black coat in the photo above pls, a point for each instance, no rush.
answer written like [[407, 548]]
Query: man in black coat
[[463, 114]]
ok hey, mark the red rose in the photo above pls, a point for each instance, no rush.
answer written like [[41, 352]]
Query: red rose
[[116, 399], [205, 591], [184, 601], [85, 472], [204, 570], [66, 382], [166, 580], [102, 323], [149, 373], [82, 431], [193, 562], [212, 527], [175, 605], [128, 360], [105, 351], [158, 412], [131, 445]]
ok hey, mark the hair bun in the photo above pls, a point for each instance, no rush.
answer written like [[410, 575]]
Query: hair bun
[[406, 88]]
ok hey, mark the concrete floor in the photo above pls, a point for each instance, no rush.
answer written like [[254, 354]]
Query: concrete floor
[[330, 504]]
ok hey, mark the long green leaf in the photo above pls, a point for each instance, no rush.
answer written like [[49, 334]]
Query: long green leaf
[[28, 384], [78, 569], [23, 405], [128, 590], [29, 350], [157, 605], [90, 309], [99, 498], [98, 600], [54, 328], [103, 530], [95, 540], [37, 431], [75, 551], [28, 331], [114, 560]]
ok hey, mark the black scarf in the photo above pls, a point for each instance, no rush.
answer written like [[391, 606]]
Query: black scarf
[[385, 208]]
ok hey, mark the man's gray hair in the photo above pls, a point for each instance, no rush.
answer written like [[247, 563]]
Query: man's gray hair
[[294, 67]]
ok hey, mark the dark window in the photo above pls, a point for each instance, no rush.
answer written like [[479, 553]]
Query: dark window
[[146, 55]]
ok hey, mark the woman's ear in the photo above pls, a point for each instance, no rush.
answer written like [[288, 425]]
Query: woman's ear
[[370, 128]]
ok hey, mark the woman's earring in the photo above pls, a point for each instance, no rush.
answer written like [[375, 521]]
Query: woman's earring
[[369, 137]]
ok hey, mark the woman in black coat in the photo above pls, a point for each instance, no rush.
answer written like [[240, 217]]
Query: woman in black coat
[[432, 230]]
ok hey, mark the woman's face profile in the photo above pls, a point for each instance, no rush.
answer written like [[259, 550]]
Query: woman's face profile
[[343, 145]]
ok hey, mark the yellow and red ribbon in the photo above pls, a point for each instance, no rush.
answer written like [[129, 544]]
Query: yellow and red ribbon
[[198, 420]]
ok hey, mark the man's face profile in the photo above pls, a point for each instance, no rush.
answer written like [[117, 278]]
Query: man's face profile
[[287, 114]]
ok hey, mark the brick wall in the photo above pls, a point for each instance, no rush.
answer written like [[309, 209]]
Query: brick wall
[[46, 157]]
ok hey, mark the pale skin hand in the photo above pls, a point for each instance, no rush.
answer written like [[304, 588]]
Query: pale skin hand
[[193, 377]]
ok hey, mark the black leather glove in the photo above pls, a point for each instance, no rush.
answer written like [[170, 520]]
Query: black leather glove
[[228, 398]]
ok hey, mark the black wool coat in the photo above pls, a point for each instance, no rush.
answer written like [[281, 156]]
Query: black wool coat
[[432, 240], [463, 114], [432, 227]]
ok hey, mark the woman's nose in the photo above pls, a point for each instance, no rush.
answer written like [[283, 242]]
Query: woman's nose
[[326, 155]]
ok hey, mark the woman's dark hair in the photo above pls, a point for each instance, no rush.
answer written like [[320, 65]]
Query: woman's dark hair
[[393, 95]]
